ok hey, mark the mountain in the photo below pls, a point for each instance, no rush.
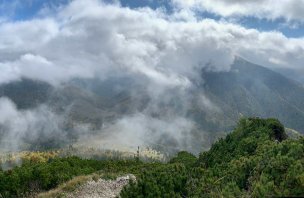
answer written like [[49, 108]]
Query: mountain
[[215, 103], [251, 90], [26, 93], [246, 90]]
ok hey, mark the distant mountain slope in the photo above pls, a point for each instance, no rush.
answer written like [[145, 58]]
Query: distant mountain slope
[[26, 93], [252, 90], [214, 104]]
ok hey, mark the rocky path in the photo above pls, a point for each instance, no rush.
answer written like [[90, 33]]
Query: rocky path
[[101, 188]]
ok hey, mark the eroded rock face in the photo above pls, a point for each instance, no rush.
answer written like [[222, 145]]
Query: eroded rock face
[[102, 188]]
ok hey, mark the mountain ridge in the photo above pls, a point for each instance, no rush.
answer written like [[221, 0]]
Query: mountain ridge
[[247, 90]]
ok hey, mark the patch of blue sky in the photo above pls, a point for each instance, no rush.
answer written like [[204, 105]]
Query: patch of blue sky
[[20, 10], [154, 4], [290, 29], [27, 9]]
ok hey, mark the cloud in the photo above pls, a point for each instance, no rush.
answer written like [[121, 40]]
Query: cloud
[[37, 128], [16, 126], [88, 39], [290, 10], [163, 134], [261, 47], [91, 39]]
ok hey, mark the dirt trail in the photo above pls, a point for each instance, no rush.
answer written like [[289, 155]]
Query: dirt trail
[[101, 188]]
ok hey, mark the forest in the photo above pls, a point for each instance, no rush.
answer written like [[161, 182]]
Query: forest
[[257, 159]]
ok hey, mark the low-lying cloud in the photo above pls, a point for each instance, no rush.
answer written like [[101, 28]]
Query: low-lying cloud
[[16, 125]]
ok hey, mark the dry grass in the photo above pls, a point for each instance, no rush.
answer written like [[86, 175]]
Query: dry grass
[[69, 186]]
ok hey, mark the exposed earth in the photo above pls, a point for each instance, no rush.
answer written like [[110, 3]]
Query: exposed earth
[[101, 188]]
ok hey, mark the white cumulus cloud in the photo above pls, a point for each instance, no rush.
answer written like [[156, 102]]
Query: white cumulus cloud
[[269, 9], [89, 39]]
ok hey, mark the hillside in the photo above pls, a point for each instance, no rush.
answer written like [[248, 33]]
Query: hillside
[[252, 90], [256, 160], [26, 93], [92, 108]]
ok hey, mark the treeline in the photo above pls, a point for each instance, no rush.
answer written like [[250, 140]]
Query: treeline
[[255, 160]]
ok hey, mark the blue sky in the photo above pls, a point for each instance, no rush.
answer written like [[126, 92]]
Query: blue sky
[[249, 22], [17, 10], [277, 25]]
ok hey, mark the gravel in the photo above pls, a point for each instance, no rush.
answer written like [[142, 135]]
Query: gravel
[[101, 188]]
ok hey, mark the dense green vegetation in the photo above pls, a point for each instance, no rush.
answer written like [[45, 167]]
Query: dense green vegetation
[[39, 176], [257, 160]]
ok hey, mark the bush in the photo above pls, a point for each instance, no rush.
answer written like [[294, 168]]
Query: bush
[[255, 160], [37, 176], [185, 158]]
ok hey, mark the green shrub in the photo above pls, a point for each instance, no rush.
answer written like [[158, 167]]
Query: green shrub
[[255, 160]]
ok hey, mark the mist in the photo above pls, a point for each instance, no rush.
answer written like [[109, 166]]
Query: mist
[[162, 55], [17, 125]]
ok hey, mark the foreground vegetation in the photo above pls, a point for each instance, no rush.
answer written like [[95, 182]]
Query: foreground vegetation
[[257, 159], [33, 177]]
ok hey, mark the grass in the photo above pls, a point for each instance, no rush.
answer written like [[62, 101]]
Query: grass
[[74, 183], [69, 186]]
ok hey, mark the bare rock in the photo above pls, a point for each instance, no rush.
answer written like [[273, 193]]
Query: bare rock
[[102, 188]]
